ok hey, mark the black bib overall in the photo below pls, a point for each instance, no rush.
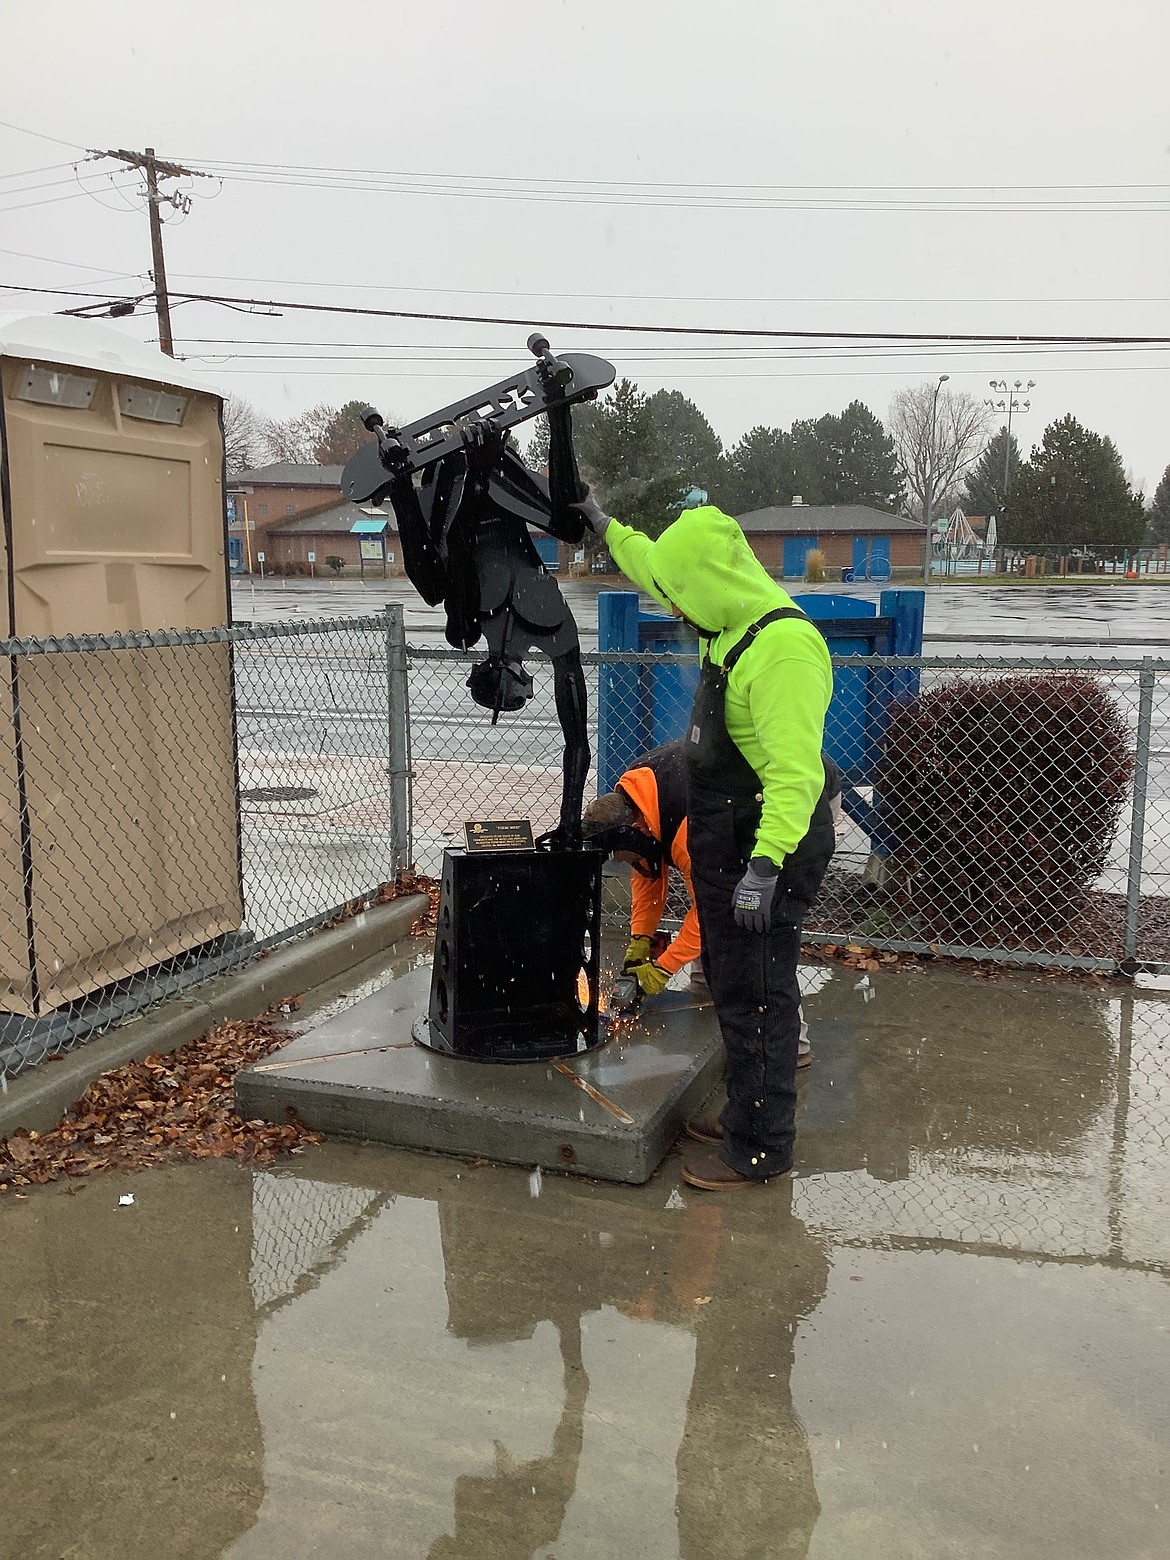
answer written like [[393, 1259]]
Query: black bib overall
[[752, 977]]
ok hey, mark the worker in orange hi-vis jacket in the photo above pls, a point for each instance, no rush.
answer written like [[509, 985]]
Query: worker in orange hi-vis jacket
[[643, 822]]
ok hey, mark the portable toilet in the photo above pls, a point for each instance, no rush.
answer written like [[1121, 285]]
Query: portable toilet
[[119, 813]]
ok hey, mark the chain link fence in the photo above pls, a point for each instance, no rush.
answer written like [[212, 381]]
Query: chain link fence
[[176, 801], [1008, 809]]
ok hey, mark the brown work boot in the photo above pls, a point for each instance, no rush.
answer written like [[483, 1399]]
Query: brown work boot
[[709, 1173], [706, 1127], [804, 1059]]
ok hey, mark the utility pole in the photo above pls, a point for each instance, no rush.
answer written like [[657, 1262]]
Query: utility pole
[[155, 169], [162, 303], [931, 456]]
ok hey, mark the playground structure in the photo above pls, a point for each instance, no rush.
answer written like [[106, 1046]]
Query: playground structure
[[958, 549]]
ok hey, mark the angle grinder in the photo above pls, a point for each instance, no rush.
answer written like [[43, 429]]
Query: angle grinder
[[626, 996]]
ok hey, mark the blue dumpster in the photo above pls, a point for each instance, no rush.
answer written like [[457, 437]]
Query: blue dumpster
[[642, 705]]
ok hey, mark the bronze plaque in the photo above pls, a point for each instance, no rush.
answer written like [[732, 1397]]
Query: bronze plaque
[[498, 834]]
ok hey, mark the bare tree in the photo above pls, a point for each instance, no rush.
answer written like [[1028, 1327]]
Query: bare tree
[[322, 436], [935, 447], [244, 439], [288, 439]]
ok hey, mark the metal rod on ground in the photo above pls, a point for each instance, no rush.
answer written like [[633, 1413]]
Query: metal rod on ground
[[1137, 826], [398, 738]]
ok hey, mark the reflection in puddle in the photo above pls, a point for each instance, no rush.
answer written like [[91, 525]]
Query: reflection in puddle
[[961, 1288], [437, 1379], [947, 1336]]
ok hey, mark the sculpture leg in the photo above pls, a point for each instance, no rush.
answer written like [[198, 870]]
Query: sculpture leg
[[419, 553], [564, 479], [572, 705]]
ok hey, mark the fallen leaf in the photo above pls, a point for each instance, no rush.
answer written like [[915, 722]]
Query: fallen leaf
[[162, 1109]]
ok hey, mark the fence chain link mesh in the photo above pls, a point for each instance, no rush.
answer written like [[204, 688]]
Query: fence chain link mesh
[[176, 801], [1013, 810]]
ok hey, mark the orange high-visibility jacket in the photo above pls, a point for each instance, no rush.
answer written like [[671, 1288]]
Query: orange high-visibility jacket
[[657, 786]]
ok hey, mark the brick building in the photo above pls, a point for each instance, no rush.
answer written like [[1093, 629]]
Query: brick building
[[338, 531], [873, 544], [265, 496]]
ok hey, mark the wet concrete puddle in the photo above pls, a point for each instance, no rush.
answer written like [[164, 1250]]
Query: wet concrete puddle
[[948, 1336]]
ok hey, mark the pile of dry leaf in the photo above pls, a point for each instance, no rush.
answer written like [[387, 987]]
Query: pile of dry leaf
[[412, 882], [407, 882], [859, 956], [178, 1106]]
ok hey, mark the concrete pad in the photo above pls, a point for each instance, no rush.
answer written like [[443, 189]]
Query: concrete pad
[[612, 1114]]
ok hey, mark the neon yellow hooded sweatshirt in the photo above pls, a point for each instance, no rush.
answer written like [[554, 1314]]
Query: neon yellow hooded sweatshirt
[[779, 689]]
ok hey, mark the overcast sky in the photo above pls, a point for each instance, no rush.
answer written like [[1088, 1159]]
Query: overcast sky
[[881, 144]]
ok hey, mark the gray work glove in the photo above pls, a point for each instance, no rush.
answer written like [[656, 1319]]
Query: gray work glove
[[593, 514], [751, 903]]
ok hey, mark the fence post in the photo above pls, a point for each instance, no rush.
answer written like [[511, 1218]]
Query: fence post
[[398, 739], [1137, 826]]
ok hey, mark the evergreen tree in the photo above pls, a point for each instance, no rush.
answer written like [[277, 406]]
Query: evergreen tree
[[850, 459], [689, 445], [984, 492], [1158, 519], [1073, 492], [766, 468], [624, 456]]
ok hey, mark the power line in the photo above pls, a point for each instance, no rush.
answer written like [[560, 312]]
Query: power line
[[73, 265], [1006, 338], [936, 338], [54, 200], [745, 355], [27, 173], [487, 292], [650, 183], [41, 136], [599, 297], [35, 189], [1130, 205], [686, 376], [872, 198]]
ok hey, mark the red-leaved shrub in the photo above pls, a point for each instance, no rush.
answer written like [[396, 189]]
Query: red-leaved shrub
[[1000, 798]]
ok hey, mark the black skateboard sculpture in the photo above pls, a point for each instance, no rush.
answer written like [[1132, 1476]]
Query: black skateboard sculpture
[[464, 501], [515, 975]]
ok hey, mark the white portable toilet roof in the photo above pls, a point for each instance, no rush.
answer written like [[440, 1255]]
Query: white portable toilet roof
[[74, 343]]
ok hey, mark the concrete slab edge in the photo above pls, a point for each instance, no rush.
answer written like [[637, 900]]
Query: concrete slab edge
[[37, 1100], [605, 1152]]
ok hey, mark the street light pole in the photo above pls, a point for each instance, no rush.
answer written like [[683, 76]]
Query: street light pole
[[1012, 404], [926, 562]]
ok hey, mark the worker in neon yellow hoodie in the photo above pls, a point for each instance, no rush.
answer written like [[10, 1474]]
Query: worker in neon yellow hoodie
[[759, 818]]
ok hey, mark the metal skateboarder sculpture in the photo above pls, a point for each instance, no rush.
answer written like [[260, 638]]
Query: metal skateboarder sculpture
[[464, 501]]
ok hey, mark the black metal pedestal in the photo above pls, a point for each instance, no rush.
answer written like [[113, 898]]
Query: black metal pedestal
[[515, 976]]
